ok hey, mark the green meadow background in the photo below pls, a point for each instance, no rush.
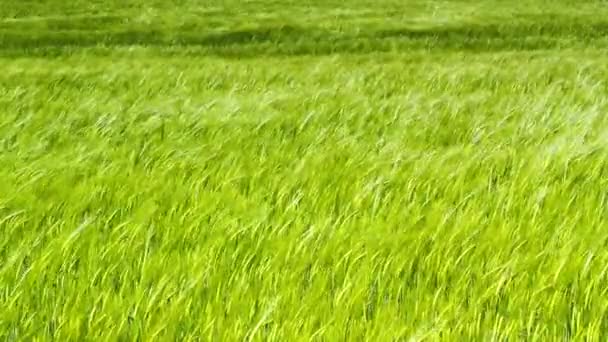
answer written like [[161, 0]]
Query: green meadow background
[[303, 170]]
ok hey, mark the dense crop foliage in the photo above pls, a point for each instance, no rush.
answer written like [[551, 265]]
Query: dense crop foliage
[[296, 170]]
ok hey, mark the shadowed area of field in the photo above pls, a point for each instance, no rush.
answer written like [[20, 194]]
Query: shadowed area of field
[[60, 37]]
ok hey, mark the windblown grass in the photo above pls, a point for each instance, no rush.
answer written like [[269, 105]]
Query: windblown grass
[[294, 171]]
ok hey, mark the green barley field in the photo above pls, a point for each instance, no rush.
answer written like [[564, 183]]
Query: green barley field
[[358, 170]]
